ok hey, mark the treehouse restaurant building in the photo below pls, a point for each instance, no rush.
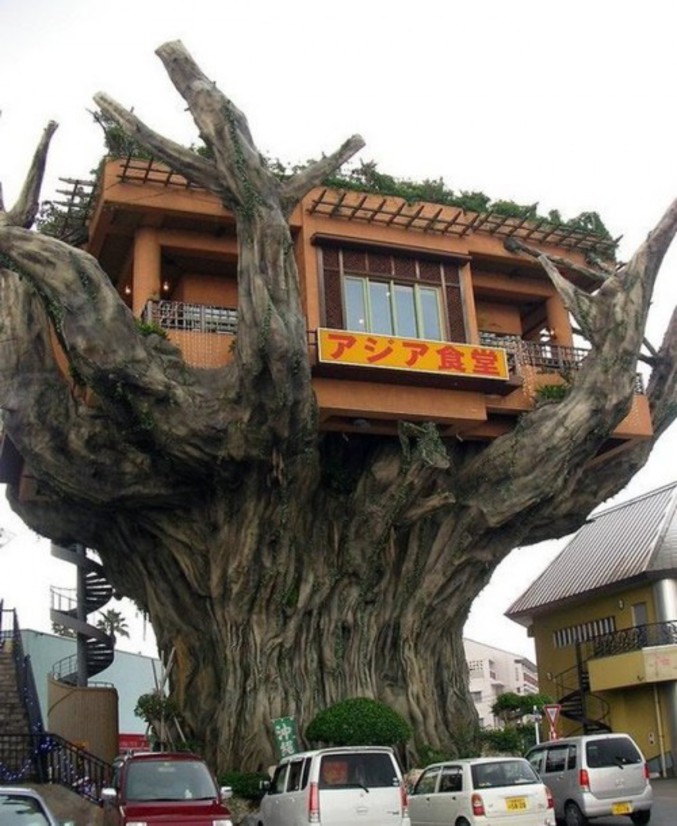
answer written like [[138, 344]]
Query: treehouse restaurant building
[[415, 311]]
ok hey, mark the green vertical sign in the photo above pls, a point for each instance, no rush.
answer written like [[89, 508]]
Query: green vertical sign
[[286, 736]]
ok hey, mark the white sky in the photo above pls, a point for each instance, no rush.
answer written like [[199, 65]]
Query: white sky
[[568, 104]]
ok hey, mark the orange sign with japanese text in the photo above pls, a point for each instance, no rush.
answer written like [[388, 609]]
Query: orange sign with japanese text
[[397, 353]]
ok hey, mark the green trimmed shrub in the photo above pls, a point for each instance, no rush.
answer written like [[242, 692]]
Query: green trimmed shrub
[[246, 785], [359, 721], [510, 740]]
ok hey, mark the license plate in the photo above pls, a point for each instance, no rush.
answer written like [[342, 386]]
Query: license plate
[[515, 804], [621, 809]]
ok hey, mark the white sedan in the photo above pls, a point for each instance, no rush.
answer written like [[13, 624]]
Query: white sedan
[[25, 807], [481, 791]]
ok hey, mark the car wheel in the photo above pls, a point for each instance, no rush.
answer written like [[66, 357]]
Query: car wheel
[[641, 818], [462, 822], [573, 816]]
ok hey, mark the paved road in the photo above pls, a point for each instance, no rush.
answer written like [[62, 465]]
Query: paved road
[[663, 813]]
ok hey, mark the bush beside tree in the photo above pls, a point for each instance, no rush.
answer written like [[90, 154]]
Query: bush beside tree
[[359, 721], [245, 785]]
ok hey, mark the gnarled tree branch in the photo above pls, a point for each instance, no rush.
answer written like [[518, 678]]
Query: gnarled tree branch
[[294, 189], [24, 212], [196, 169]]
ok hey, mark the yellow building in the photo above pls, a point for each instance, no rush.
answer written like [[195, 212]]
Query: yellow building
[[604, 619]]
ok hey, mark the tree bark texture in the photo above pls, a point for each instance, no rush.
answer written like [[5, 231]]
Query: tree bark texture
[[287, 568]]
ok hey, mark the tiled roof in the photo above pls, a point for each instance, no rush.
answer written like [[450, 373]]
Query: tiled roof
[[634, 538]]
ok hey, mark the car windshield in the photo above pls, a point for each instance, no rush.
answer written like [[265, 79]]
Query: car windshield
[[502, 773], [19, 810], [169, 780], [367, 769], [612, 751]]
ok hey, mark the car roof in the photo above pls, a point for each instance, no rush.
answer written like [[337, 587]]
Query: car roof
[[19, 790], [583, 738], [161, 755], [476, 761], [336, 750]]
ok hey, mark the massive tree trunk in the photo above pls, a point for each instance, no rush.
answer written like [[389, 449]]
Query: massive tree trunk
[[287, 568]]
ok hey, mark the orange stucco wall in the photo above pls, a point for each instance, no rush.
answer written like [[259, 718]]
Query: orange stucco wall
[[493, 317], [498, 291], [206, 289]]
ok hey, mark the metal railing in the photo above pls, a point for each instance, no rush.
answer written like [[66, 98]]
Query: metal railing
[[25, 681], [578, 704], [544, 357], [632, 639], [48, 758], [195, 318], [38, 756], [70, 609]]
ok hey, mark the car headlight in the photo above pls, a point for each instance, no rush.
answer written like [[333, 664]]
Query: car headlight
[[136, 823], [222, 823]]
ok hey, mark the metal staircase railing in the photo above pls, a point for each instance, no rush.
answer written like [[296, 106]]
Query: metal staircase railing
[[70, 608], [573, 686], [25, 681], [48, 758], [576, 701], [36, 755]]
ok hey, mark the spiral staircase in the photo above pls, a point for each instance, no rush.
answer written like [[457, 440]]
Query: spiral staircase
[[70, 608], [577, 703]]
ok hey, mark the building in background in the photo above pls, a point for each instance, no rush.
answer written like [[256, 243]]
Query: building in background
[[129, 675], [492, 672], [604, 619]]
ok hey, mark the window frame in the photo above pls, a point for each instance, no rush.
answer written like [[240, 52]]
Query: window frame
[[432, 773], [392, 284]]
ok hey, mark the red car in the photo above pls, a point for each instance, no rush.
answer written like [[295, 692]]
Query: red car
[[163, 788]]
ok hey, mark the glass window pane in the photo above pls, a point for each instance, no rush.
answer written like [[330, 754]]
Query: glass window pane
[[380, 315], [356, 311], [405, 310], [430, 314]]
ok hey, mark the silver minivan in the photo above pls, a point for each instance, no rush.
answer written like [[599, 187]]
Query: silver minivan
[[595, 775], [335, 787]]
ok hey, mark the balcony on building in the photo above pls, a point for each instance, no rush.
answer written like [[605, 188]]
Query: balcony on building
[[641, 655], [471, 330]]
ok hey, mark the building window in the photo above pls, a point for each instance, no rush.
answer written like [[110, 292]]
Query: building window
[[387, 308], [564, 637], [392, 294], [476, 668]]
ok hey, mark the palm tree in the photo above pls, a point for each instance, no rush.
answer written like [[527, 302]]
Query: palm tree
[[63, 631], [113, 623]]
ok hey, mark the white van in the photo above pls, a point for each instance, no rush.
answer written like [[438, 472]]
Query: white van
[[335, 787], [595, 775]]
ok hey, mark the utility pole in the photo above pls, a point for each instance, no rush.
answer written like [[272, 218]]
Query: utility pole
[[537, 721], [81, 607]]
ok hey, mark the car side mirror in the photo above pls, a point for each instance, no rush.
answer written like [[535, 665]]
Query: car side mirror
[[264, 785], [109, 795], [226, 792]]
